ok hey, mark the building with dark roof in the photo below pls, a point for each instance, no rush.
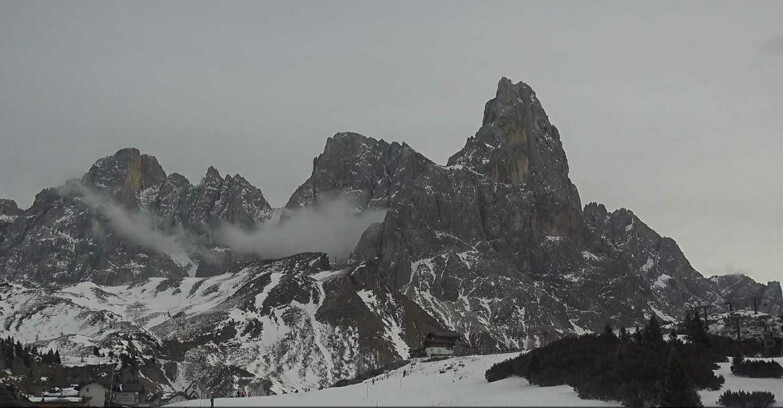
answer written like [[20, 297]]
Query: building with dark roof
[[442, 343]]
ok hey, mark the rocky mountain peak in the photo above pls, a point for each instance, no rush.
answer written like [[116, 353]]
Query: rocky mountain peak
[[9, 208], [356, 166], [212, 174], [124, 174], [517, 145]]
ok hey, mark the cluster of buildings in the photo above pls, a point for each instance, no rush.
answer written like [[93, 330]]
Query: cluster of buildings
[[98, 395], [437, 344]]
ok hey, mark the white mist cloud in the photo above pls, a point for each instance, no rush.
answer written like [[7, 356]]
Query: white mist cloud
[[333, 227], [136, 227]]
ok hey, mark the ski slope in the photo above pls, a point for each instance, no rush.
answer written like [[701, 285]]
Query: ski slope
[[456, 381], [460, 381]]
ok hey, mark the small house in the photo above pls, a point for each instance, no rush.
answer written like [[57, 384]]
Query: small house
[[128, 394], [441, 343], [195, 391], [95, 394]]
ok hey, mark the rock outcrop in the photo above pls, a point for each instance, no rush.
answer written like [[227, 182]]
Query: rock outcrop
[[8, 213]]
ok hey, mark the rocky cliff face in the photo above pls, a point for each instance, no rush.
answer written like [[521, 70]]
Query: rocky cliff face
[[495, 245], [125, 220]]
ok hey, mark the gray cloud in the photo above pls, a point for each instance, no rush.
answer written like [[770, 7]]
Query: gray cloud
[[333, 227]]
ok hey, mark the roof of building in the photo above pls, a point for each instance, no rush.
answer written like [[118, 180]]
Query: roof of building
[[445, 334], [57, 399]]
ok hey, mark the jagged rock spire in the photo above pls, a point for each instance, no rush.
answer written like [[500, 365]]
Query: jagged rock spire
[[517, 144]]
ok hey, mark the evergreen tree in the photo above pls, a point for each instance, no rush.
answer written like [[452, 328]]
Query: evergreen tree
[[57, 358], [624, 336], [695, 331], [637, 335], [736, 361], [608, 331], [677, 389], [673, 336], [95, 351], [652, 332]]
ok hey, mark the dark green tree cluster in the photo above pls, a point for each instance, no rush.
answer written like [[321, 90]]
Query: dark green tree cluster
[[29, 355], [695, 329], [639, 369], [742, 399], [756, 368]]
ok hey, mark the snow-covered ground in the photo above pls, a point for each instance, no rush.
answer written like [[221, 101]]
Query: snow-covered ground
[[736, 383], [460, 381], [457, 381]]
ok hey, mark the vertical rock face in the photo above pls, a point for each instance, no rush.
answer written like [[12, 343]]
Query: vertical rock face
[[124, 174], [359, 168], [8, 213], [517, 145], [172, 203], [232, 200]]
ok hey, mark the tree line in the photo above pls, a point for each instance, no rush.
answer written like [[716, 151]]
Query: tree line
[[12, 349], [639, 368]]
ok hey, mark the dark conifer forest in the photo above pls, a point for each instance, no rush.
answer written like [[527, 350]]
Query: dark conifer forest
[[640, 369]]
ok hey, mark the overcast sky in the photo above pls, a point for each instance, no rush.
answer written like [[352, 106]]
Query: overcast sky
[[672, 110]]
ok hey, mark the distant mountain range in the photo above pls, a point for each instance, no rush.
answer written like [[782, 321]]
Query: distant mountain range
[[495, 245]]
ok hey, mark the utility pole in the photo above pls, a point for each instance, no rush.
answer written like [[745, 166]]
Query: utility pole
[[706, 320], [755, 305], [738, 322]]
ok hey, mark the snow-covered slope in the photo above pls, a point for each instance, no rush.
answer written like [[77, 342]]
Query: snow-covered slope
[[737, 383], [460, 382], [454, 382], [256, 327]]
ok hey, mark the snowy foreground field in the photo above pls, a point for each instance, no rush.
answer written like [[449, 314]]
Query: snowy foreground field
[[460, 382], [735, 383]]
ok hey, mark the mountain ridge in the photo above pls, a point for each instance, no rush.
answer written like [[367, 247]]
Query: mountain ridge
[[495, 244]]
